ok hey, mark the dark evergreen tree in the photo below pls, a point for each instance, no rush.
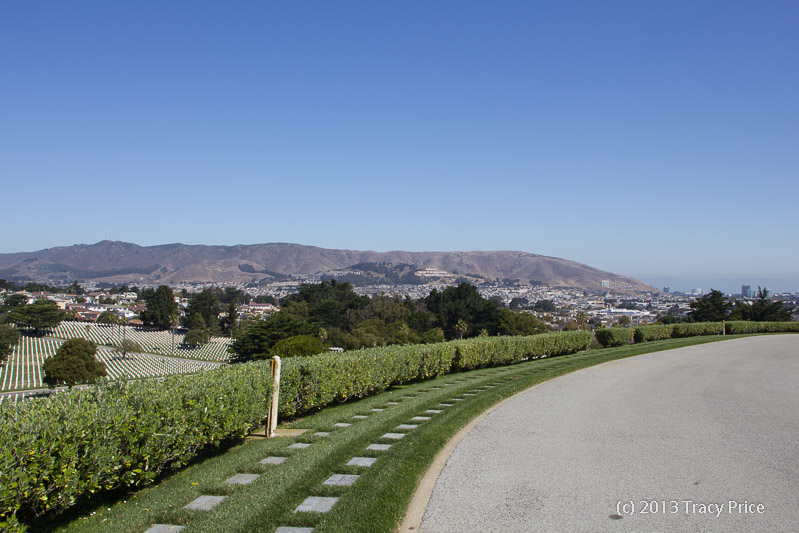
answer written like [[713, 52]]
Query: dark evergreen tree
[[162, 310], [713, 307], [73, 363], [39, 316], [9, 336]]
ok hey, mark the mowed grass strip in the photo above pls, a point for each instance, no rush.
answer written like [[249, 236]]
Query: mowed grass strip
[[377, 501]]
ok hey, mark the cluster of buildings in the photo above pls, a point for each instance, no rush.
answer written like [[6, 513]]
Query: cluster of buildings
[[605, 303]]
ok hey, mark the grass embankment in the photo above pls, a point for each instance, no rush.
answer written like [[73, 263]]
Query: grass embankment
[[379, 498]]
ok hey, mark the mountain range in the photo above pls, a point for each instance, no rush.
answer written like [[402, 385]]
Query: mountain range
[[121, 262]]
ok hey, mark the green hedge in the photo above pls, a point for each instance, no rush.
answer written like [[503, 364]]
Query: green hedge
[[608, 337], [663, 331], [309, 383], [495, 351], [697, 328], [56, 450], [656, 332], [742, 326]]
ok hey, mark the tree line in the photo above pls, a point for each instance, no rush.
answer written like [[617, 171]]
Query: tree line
[[331, 314]]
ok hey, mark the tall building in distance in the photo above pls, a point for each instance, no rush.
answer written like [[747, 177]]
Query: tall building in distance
[[746, 291], [605, 283], [667, 290]]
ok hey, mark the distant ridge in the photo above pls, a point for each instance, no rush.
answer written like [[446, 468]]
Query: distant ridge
[[115, 261]]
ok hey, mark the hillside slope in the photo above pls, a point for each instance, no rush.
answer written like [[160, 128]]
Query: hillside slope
[[171, 263]]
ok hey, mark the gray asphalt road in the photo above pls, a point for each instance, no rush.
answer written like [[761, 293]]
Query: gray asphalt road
[[704, 438]]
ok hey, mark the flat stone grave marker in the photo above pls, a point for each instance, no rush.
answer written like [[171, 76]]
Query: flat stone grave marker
[[299, 445], [379, 447], [286, 529], [433, 411], [342, 425], [420, 418], [458, 399], [362, 461], [360, 417], [272, 460], [446, 404], [241, 479], [393, 436], [205, 503], [341, 480], [377, 410], [468, 394], [392, 403], [321, 434], [316, 504], [164, 528], [407, 426]]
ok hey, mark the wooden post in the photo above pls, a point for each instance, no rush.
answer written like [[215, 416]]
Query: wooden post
[[723, 328], [271, 423]]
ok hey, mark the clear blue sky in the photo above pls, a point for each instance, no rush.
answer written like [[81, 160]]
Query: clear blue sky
[[653, 139]]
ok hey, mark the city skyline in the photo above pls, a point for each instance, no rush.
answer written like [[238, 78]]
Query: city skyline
[[655, 141]]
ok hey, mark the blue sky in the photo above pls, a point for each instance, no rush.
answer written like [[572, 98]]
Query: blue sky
[[652, 139]]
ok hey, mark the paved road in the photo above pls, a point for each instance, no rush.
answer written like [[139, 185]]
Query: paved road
[[692, 429]]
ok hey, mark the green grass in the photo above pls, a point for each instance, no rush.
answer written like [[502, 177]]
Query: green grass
[[377, 501]]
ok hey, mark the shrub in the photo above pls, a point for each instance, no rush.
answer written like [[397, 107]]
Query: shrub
[[742, 326], [73, 363], [692, 329], [298, 345], [655, 332], [196, 336], [614, 336], [120, 434]]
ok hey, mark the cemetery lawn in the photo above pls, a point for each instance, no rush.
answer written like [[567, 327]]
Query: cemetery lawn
[[378, 498]]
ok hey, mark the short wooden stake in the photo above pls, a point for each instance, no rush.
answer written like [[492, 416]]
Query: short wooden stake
[[271, 423]]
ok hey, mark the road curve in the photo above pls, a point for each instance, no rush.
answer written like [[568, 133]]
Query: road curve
[[704, 438]]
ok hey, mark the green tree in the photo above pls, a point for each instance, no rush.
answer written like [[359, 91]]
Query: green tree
[[206, 304], [433, 335], [582, 319], [9, 336], [196, 337], [127, 346], [764, 309], [12, 302], [73, 363], [298, 345], [461, 327], [256, 337], [39, 316], [712, 307], [545, 306], [161, 309], [517, 323], [108, 318], [462, 303], [231, 320]]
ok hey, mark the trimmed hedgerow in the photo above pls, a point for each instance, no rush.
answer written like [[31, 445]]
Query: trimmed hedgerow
[[608, 337], [654, 332], [742, 326], [494, 351], [697, 328], [57, 450]]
